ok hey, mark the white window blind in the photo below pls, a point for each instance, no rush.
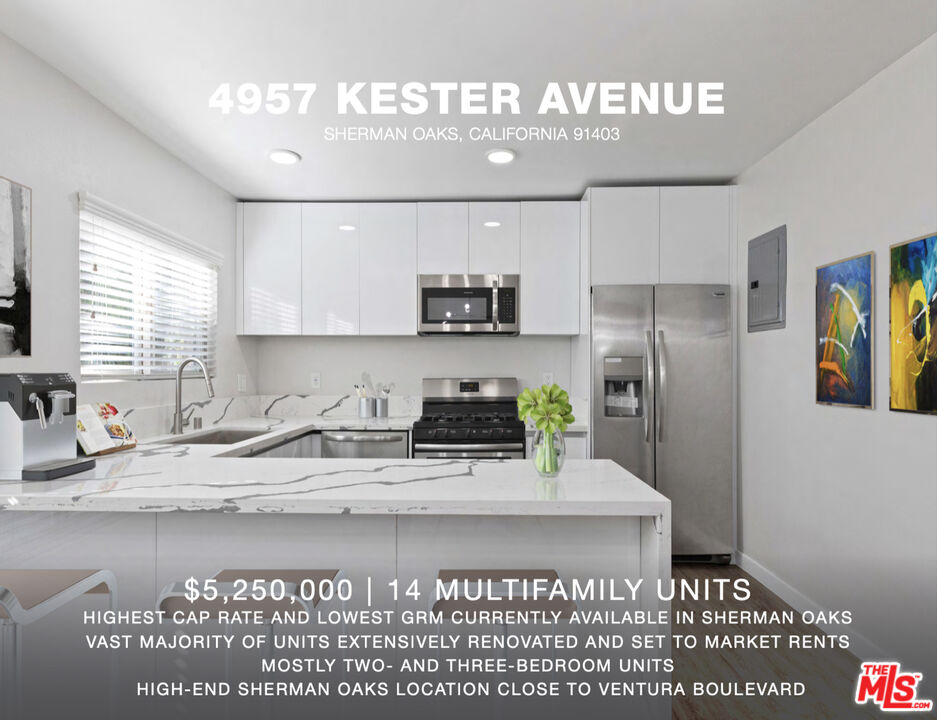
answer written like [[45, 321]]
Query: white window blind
[[148, 298]]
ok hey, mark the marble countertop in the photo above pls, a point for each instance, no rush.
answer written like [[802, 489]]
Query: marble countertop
[[166, 477], [167, 481]]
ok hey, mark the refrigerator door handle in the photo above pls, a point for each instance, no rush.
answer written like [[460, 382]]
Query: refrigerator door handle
[[647, 381], [662, 398]]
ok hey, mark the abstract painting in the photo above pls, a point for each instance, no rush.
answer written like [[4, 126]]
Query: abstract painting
[[844, 332], [15, 282], [912, 301]]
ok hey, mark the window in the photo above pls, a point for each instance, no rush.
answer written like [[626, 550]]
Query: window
[[148, 298]]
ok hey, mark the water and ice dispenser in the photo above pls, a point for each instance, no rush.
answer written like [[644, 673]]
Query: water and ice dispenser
[[624, 386]]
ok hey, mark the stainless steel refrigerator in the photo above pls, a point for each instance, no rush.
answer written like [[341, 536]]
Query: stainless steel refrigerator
[[662, 399]]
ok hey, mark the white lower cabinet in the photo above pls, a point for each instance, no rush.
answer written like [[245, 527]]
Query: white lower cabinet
[[270, 245], [577, 446], [330, 268], [550, 268], [387, 268]]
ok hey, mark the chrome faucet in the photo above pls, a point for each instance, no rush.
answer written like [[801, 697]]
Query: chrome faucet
[[178, 421]]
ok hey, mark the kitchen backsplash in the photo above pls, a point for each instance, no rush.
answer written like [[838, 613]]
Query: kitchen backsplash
[[153, 421]]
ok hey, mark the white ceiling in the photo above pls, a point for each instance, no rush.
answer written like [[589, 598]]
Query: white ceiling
[[783, 62]]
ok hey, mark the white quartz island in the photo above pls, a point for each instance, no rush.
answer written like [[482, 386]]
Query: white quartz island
[[264, 510], [164, 513], [186, 489]]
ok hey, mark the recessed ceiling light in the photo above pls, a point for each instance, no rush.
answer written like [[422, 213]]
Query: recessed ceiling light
[[284, 157], [492, 223], [346, 228], [500, 156]]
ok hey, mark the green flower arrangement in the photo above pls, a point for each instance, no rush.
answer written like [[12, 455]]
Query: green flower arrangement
[[549, 409]]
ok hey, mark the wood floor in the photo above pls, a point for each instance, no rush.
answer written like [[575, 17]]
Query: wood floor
[[829, 674]]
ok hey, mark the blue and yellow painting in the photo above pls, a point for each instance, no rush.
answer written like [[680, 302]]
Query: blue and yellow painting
[[913, 314], [844, 331]]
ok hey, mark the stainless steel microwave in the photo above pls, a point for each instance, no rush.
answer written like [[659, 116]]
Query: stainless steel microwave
[[469, 305]]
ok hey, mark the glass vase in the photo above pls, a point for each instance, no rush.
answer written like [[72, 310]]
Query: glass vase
[[548, 453]]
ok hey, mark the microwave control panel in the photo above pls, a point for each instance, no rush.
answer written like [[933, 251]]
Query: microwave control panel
[[507, 305]]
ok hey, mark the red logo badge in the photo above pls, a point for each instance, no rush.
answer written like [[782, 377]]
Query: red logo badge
[[892, 690]]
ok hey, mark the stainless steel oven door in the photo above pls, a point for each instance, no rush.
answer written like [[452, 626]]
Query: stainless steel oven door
[[468, 305], [469, 451]]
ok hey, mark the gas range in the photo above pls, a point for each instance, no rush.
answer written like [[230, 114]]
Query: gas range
[[469, 418]]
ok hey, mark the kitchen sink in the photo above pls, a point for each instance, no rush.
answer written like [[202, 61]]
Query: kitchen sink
[[217, 437]]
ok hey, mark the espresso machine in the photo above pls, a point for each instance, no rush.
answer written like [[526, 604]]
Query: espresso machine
[[38, 428]]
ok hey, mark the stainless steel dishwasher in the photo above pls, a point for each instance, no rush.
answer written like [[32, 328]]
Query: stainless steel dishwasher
[[364, 444]]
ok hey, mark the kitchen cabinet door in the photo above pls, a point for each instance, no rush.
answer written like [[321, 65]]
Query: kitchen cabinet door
[[271, 260], [625, 235], [550, 268], [330, 268], [442, 238], [494, 249], [387, 268], [694, 234], [577, 446]]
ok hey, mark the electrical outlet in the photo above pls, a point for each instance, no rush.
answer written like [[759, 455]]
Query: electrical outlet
[[242, 383], [315, 380], [547, 378]]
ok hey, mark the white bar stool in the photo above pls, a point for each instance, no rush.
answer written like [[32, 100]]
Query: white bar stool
[[27, 596]]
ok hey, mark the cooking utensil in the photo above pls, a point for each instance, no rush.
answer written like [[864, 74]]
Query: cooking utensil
[[366, 377]]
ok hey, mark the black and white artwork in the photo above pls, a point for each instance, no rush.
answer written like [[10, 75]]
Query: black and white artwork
[[15, 281]]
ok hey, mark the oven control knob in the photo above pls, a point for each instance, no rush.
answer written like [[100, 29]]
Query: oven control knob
[[439, 433], [497, 433]]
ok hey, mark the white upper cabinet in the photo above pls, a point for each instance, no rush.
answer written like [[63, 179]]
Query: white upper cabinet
[[442, 238], [494, 238], [694, 234], [550, 268], [625, 235], [330, 268], [271, 259], [387, 268]]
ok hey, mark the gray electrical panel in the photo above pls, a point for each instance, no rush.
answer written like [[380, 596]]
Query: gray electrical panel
[[767, 280]]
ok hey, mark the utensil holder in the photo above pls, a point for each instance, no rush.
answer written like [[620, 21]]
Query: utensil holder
[[380, 407], [366, 407]]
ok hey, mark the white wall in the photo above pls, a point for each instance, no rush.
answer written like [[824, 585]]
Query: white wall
[[57, 140], [842, 503], [285, 363]]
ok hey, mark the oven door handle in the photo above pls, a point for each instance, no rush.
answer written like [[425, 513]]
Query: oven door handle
[[467, 447]]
